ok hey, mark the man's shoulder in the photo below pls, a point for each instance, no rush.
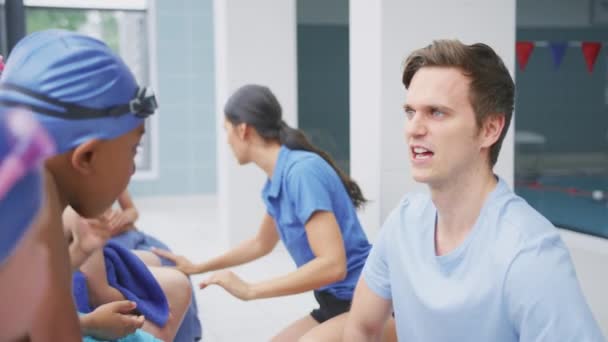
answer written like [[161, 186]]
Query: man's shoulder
[[518, 228], [514, 215], [411, 210]]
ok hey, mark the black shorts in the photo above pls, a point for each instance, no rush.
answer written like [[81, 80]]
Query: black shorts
[[329, 306]]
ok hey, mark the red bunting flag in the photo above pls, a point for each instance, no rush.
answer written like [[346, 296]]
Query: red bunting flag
[[591, 50], [523, 50]]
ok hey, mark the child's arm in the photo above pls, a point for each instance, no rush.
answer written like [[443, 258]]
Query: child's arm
[[100, 291], [124, 219], [85, 236], [86, 254], [111, 321]]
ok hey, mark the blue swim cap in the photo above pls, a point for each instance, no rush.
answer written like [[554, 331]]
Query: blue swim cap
[[77, 87], [23, 146]]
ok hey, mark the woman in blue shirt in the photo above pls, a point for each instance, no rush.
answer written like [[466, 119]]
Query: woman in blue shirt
[[311, 207]]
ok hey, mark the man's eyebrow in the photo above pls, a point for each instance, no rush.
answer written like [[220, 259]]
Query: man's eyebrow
[[434, 106]]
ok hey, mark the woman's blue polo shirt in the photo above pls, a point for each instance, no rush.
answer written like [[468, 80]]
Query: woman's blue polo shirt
[[303, 183]]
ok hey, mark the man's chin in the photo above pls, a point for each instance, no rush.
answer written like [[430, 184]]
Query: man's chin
[[421, 177]]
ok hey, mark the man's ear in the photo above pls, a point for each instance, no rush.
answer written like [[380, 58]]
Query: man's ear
[[83, 156], [492, 128]]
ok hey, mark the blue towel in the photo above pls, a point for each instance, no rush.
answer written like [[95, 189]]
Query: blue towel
[[134, 239], [191, 329], [129, 275], [80, 292]]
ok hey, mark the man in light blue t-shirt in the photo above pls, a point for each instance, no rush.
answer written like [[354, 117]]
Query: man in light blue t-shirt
[[470, 261]]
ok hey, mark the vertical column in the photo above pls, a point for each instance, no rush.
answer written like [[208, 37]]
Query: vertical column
[[255, 42], [365, 45], [382, 34]]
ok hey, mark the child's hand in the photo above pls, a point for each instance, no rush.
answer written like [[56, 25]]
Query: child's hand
[[118, 219], [91, 234], [121, 220], [111, 321]]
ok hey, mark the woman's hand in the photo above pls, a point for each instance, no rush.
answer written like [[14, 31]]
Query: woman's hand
[[181, 263], [111, 321], [231, 283]]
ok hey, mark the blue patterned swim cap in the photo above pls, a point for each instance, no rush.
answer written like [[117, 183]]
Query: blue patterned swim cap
[[23, 146]]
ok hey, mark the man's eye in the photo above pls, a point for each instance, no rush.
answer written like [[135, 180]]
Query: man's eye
[[437, 113]]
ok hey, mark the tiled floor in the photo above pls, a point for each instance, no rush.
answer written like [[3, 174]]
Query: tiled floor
[[189, 226]]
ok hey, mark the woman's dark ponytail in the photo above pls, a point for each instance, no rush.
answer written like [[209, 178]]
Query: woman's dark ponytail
[[257, 106], [296, 140]]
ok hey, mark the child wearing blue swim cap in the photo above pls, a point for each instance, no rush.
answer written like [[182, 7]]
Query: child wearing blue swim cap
[[92, 107]]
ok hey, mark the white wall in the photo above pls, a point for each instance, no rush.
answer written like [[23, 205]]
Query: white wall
[[366, 105], [590, 257], [255, 42]]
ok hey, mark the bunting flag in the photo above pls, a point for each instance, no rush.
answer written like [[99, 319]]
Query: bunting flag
[[590, 51], [558, 50], [523, 50]]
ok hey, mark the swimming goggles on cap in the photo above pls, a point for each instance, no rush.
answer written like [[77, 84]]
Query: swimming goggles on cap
[[142, 105]]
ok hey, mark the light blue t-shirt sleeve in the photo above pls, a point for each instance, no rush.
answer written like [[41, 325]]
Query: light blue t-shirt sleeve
[[376, 272], [543, 297], [309, 188]]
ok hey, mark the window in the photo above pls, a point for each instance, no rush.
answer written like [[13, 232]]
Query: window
[[561, 115], [323, 76], [124, 26], [3, 29]]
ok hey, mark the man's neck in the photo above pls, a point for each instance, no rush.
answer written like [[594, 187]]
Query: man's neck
[[459, 203]]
